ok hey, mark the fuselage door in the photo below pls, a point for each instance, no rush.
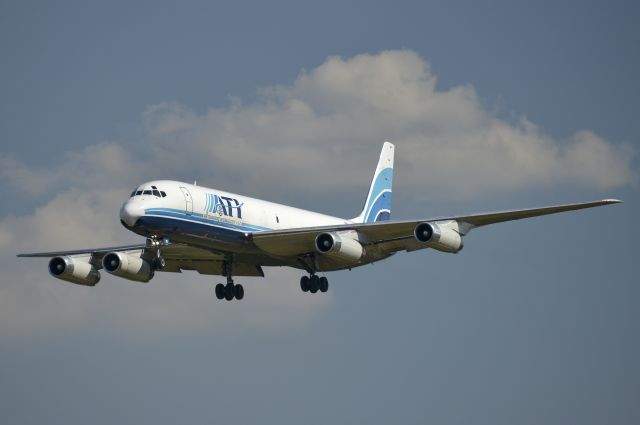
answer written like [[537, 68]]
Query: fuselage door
[[188, 199]]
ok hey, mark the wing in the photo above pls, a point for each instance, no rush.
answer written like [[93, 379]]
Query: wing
[[178, 257], [398, 235], [98, 252]]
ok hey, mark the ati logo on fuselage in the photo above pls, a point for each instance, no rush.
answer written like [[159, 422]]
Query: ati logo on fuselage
[[223, 205]]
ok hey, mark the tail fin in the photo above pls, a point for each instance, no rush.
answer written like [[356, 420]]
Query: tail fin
[[377, 207]]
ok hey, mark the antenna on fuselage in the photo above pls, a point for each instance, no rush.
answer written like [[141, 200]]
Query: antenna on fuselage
[[195, 182]]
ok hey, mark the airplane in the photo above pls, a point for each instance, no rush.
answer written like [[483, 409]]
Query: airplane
[[189, 227]]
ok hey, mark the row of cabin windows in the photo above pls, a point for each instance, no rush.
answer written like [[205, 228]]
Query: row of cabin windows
[[154, 191]]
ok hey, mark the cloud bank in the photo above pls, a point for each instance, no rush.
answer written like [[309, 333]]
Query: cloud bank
[[321, 133], [320, 127]]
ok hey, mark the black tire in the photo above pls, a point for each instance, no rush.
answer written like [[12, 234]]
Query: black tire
[[238, 291], [159, 263], [324, 284], [228, 293], [314, 284], [219, 291], [304, 283]]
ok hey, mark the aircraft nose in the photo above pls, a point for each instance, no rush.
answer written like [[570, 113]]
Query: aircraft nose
[[130, 213]]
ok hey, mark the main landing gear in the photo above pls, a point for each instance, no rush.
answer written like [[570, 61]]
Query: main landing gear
[[230, 290], [314, 283]]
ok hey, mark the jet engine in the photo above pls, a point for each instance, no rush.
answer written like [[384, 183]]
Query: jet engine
[[439, 237], [343, 248], [74, 270], [127, 266]]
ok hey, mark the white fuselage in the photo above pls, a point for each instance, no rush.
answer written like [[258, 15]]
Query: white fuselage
[[190, 213]]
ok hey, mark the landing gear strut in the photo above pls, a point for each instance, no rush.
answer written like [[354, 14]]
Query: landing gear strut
[[158, 262], [230, 290], [314, 283]]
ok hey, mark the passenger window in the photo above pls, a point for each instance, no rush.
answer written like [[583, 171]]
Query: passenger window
[[156, 193]]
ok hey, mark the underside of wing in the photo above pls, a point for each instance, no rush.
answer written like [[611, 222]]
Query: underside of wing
[[178, 257], [213, 267]]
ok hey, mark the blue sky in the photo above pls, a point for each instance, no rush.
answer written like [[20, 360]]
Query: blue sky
[[492, 105]]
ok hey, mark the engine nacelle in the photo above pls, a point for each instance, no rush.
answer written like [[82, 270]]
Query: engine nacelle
[[340, 247], [74, 270], [127, 266], [439, 237]]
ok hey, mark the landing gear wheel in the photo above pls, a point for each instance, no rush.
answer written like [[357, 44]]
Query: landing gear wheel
[[304, 283], [228, 292], [238, 292], [314, 284], [159, 263], [219, 291], [324, 284]]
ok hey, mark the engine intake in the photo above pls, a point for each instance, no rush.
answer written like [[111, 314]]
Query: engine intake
[[439, 237], [127, 266], [338, 246], [74, 270]]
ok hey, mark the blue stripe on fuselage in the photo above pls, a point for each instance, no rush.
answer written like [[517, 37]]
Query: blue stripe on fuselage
[[168, 226], [197, 217]]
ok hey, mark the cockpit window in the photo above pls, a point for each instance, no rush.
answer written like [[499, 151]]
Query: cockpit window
[[153, 191]]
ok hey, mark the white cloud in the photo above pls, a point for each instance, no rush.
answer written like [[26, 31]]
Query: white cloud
[[318, 129], [73, 218], [15, 173], [311, 135], [98, 166]]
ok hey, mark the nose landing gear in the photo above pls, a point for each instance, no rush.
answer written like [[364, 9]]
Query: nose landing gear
[[158, 262]]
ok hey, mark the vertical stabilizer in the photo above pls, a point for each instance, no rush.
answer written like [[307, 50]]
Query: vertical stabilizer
[[377, 207]]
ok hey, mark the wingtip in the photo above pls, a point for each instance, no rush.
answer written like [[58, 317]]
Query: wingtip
[[612, 201]]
